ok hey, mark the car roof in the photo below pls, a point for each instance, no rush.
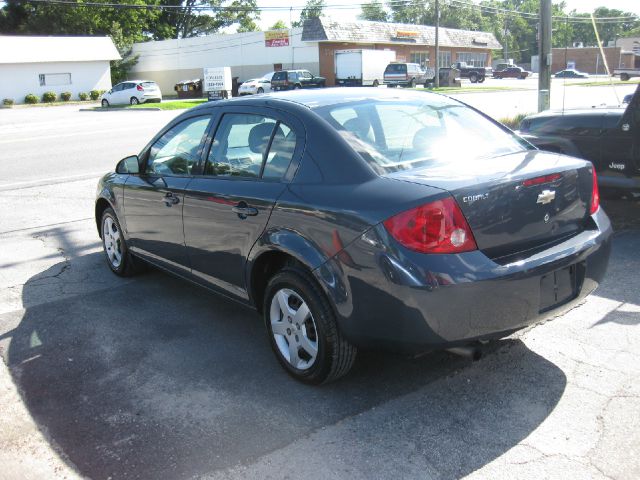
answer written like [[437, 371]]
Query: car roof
[[316, 98], [138, 81]]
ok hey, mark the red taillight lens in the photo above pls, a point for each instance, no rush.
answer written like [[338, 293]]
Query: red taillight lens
[[139, 88], [437, 227], [540, 180], [595, 194]]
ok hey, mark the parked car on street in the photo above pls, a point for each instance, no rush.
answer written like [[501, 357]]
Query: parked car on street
[[132, 92], [608, 137], [295, 79], [356, 218], [255, 86], [511, 72], [405, 75], [571, 73]]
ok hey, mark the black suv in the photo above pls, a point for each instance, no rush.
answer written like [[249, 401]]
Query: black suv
[[294, 79], [609, 137]]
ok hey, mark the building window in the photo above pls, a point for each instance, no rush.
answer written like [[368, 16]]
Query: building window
[[421, 58], [54, 79], [444, 59], [473, 59]]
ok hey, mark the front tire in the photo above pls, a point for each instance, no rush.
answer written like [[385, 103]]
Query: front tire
[[105, 103], [473, 77], [302, 329], [115, 247], [260, 90], [134, 101], [375, 84], [624, 77]]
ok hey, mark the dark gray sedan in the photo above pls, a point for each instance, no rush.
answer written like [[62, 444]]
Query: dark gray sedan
[[360, 218]]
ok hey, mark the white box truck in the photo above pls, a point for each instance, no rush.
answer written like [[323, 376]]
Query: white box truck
[[362, 67]]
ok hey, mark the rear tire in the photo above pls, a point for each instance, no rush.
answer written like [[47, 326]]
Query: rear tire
[[473, 77], [260, 90], [134, 101], [302, 328], [624, 77], [412, 83], [297, 87], [481, 79], [375, 83], [114, 245]]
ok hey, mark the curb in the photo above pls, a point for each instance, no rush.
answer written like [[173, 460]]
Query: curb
[[107, 109]]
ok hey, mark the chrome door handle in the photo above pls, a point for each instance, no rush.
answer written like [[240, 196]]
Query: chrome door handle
[[170, 199], [244, 211]]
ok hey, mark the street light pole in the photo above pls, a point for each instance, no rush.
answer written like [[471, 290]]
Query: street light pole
[[544, 54], [436, 80]]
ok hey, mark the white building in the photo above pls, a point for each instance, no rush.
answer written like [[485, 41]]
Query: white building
[[54, 64]]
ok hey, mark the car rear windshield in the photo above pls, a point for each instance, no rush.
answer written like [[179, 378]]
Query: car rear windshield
[[396, 68], [149, 84], [393, 135]]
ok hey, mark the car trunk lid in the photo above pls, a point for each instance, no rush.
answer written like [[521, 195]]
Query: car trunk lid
[[517, 202]]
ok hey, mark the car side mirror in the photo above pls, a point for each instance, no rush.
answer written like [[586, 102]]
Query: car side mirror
[[110, 92], [129, 165]]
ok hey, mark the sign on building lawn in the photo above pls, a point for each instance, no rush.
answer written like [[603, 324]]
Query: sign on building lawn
[[217, 79]]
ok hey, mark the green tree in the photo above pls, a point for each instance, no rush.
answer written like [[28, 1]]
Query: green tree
[[373, 11], [279, 25], [313, 9], [190, 21]]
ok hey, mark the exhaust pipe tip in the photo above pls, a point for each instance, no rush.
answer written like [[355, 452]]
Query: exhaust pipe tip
[[472, 352]]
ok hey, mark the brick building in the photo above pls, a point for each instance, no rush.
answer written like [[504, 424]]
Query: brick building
[[589, 59], [412, 43]]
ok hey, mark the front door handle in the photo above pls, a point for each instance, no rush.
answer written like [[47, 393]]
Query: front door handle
[[244, 211], [170, 199]]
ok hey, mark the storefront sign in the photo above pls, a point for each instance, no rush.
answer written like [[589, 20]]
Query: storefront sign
[[276, 38], [406, 34], [217, 79]]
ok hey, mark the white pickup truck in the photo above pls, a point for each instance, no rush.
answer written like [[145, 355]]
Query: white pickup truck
[[626, 73]]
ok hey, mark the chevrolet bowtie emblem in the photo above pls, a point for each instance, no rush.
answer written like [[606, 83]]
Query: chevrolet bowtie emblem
[[546, 196]]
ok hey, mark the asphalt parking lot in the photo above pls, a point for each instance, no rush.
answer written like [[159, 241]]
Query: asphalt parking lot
[[150, 377]]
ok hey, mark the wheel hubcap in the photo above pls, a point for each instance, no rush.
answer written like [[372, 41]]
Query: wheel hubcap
[[294, 329], [112, 241]]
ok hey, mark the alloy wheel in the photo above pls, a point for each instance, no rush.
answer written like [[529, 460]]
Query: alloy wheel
[[112, 241], [294, 329]]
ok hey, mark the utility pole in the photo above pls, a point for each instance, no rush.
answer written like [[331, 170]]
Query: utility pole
[[436, 80], [544, 54]]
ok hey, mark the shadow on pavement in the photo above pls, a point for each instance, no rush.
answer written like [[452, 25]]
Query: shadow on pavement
[[160, 379]]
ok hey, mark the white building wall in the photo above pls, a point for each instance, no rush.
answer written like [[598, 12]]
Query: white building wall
[[19, 79], [170, 61]]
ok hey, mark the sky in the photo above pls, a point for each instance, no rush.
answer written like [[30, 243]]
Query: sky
[[348, 12]]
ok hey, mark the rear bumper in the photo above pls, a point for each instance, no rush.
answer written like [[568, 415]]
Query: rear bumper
[[397, 299]]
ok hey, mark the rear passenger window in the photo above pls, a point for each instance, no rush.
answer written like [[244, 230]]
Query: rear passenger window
[[240, 147], [280, 153], [176, 152]]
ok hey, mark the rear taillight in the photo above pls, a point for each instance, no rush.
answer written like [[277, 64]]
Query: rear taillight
[[139, 88], [595, 194], [540, 180], [437, 227]]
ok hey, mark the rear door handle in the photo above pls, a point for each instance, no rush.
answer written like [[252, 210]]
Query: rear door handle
[[244, 211], [170, 199]]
